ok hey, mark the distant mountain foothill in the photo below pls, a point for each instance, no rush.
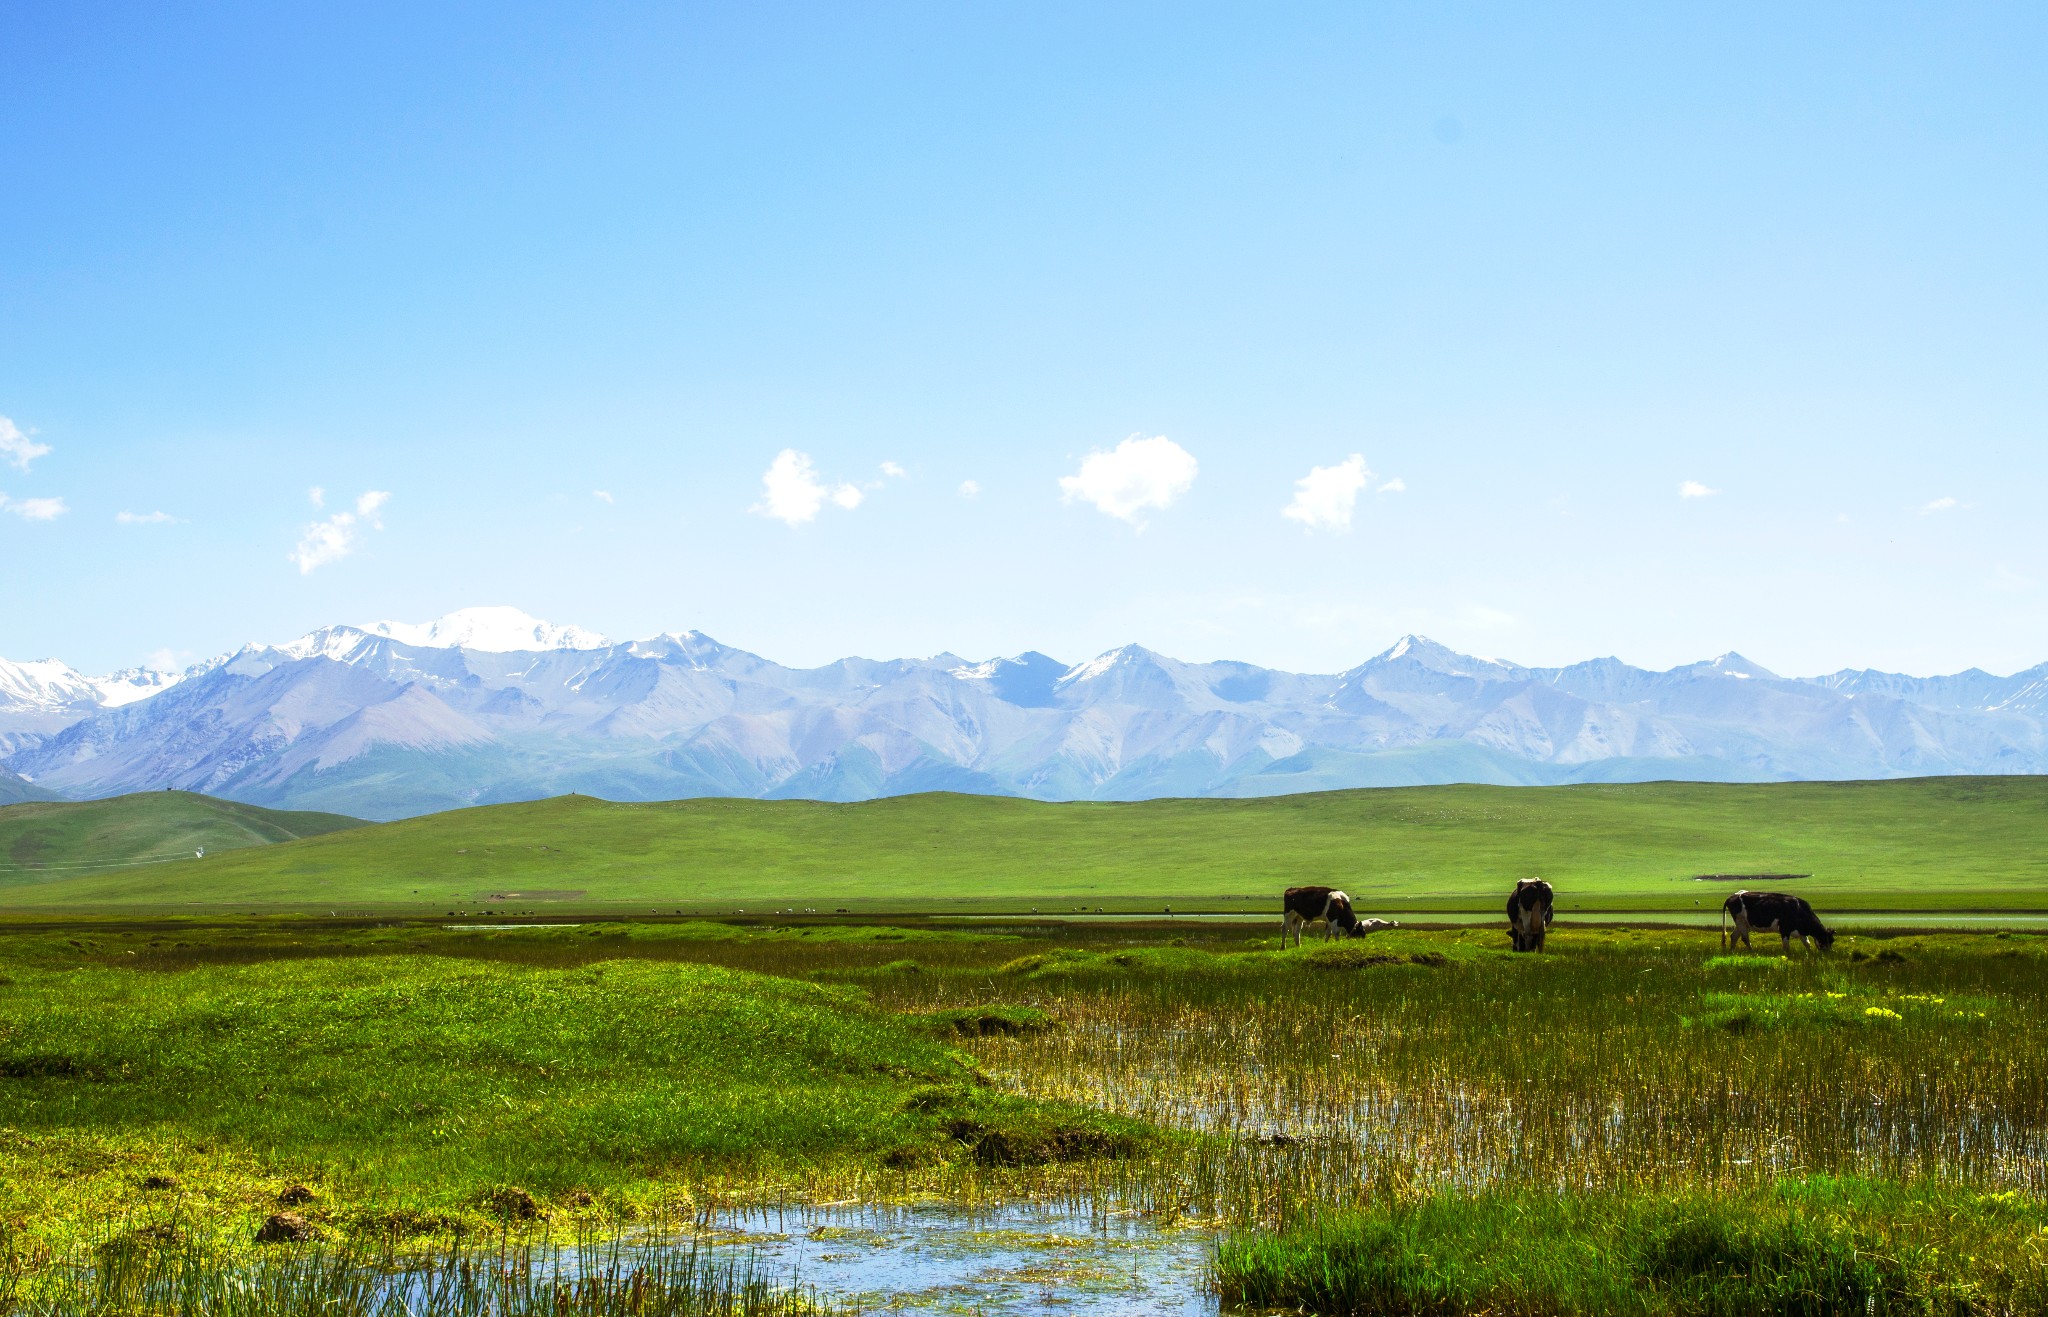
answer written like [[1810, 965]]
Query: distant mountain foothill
[[489, 705]]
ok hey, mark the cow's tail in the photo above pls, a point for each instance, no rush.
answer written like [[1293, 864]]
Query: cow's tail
[[1725, 943]]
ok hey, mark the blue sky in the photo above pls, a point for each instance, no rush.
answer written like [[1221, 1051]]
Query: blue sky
[[1543, 266]]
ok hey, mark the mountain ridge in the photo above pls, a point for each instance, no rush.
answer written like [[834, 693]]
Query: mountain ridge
[[394, 719]]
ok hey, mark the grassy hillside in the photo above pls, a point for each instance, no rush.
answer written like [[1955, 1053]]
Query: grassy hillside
[[1911, 844], [45, 840], [13, 787]]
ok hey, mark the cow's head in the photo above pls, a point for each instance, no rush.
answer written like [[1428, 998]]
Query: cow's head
[[1824, 938]]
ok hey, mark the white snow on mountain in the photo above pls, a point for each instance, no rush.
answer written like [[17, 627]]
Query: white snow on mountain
[[490, 630], [131, 684]]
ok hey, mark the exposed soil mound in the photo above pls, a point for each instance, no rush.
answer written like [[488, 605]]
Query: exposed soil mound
[[285, 1228], [513, 1203]]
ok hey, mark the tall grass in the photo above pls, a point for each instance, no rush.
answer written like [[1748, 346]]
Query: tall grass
[[1620, 1062], [1821, 1248], [584, 1279]]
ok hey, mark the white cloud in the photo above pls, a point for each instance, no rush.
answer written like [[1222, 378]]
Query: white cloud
[[1135, 475], [970, 489], [162, 660], [1939, 505], [337, 537], [601, 495], [1694, 489], [1324, 498], [894, 471], [791, 491], [17, 448], [144, 518], [1395, 486], [34, 509], [318, 496]]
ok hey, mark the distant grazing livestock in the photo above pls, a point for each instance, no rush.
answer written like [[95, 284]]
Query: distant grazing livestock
[[1529, 914], [1772, 912], [1302, 906]]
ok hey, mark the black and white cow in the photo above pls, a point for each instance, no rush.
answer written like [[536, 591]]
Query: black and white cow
[[1772, 912], [1529, 914], [1302, 906]]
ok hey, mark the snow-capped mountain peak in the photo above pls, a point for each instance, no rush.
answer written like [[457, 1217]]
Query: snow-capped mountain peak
[[51, 684], [1102, 664], [493, 630], [1425, 653]]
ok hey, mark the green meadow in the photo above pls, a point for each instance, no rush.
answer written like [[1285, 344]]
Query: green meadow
[[1415, 1122], [1418, 1121], [1912, 844]]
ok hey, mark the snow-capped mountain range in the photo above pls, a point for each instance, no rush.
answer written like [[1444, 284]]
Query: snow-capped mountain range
[[489, 704]]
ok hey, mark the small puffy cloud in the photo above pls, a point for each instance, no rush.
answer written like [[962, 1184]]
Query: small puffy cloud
[[340, 535], [1694, 489], [792, 493], [894, 471], [144, 518], [970, 489], [1324, 498], [1395, 486], [16, 448], [1943, 504], [317, 496], [601, 495], [34, 509], [1136, 475]]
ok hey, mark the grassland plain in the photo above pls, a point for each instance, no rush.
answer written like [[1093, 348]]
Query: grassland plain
[[1913, 844], [45, 840], [1417, 1122]]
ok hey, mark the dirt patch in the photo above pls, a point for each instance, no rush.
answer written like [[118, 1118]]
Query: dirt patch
[[991, 1021], [294, 1196], [513, 1203], [1037, 1145], [46, 1066], [153, 1183], [549, 894], [1343, 957], [286, 1228]]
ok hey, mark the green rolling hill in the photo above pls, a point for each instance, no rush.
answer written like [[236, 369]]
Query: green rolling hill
[[1926, 843], [63, 842]]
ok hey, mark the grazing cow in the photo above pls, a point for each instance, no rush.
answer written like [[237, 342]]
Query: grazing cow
[[1772, 912], [1529, 914], [1302, 906]]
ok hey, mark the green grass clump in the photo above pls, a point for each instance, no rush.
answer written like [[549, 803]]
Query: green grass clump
[[1805, 1250], [416, 1093]]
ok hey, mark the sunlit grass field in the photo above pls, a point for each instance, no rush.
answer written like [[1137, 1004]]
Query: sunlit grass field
[[1412, 1122], [1916, 844]]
